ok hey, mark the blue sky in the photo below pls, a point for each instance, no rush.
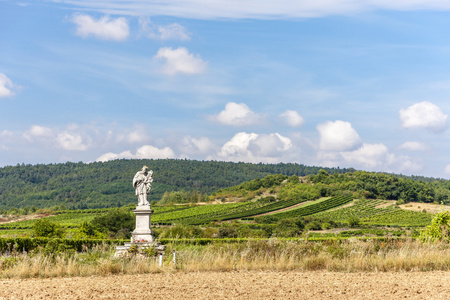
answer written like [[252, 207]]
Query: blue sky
[[330, 83]]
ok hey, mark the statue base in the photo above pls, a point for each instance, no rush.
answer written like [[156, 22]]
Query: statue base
[[142, 232], [142, 236], [123, 251]]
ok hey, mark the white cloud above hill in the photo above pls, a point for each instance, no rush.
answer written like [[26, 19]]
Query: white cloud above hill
[[144, 152], [292, 118], [338, 136], [237, 114], [424, 115], [252, 147]]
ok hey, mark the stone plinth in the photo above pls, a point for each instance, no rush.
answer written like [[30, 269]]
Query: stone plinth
[[142, 236], [142, 232]]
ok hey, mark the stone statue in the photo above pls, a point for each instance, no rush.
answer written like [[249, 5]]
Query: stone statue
[[142, 182]]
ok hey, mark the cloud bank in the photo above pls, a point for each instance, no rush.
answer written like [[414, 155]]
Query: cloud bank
[[144, 152], [250, 9]]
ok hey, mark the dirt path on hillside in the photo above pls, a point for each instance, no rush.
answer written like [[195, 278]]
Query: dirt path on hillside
[[13, 219], [235, 285]]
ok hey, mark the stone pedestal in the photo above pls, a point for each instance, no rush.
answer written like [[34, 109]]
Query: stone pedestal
[[142, 232], [142, 236]]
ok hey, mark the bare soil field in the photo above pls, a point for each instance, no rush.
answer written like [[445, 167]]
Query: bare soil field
[[236, 285], [12, 218], [429, 207]]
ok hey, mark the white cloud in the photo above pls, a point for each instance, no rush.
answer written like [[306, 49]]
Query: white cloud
[[202, 145], [413, 146], [368, 155], [179, 61], [447, 169], [131, 136], [6, 136], [238, 145], [172, 31], [39, 131], [371, 157], [292, 118], [253, 9], [103, 28], [146, 151], [237, 114], [423, 115], [252, 147], [72, 141], [108, 156], [6, 133], [6, 86], [337, 136]]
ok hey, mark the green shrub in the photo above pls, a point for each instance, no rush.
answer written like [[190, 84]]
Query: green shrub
[[438, 230], [45, 228], [353, 221], [227, 232], [114, 221]]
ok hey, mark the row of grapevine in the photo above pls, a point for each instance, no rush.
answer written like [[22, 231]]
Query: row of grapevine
[[201, 211], [314, 207], [400, 217], [362, 208], [256, 211]]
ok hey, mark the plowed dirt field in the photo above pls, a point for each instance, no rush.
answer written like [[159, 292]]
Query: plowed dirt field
[[235, 285]]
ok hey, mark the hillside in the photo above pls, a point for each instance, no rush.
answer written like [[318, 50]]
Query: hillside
[[108, 184], [277, 204]]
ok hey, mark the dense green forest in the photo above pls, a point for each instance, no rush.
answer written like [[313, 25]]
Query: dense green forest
[[99, 185]]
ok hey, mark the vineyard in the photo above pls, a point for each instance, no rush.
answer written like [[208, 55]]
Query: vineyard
[[378, 212], [338, 209], [362, 208], [251, 211], [400, 217], [315, 207]]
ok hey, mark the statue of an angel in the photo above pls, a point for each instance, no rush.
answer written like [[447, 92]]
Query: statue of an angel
[[142, 183]]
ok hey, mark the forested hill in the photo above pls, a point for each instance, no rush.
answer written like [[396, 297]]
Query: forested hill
[[98, 185]]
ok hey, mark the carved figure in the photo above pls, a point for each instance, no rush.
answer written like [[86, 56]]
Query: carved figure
[[142, 183]]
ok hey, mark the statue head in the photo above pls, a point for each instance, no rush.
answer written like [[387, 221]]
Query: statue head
[[144, 169]]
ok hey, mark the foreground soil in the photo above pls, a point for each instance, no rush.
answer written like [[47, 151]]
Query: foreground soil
[[235, 285]]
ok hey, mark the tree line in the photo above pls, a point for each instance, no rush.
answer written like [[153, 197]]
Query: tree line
[[108, 184]]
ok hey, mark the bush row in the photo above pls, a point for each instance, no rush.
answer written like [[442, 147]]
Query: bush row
[[28, 244]]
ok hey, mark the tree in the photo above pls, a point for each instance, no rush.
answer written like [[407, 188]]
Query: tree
[[438, 230], [114, 221], [45, 228]]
